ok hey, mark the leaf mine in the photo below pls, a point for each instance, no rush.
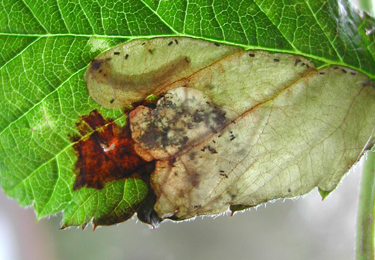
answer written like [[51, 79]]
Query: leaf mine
[[107, 154], [230, 128]]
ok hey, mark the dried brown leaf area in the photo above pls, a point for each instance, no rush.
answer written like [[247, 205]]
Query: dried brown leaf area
[[234, 128]]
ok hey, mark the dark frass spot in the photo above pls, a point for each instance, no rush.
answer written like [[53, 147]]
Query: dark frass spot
[[252, 55], [106, 154], [231, 137], [170, 43], [116, 53], [211, 149], [95, 64], [126, 56], [276, 60], [224, 175]]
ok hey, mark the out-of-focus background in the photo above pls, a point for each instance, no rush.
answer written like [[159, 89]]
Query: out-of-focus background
[[307, 228]]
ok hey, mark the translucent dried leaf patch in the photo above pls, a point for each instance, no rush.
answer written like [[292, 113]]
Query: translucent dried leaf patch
[[233, 128]]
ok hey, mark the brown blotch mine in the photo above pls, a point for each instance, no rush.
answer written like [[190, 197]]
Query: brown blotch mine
[[107, 154]]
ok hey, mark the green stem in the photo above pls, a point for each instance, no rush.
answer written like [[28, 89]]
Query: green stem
[[367, 5], [365, 225]]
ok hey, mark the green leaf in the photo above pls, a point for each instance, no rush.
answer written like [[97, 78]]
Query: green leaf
[[47, 46], [116, 203], [324, 194]]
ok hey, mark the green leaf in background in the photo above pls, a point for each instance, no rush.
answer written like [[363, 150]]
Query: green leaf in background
[[47, 45]]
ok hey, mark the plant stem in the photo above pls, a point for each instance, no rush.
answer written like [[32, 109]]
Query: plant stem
[[365, 224], [367, 5]]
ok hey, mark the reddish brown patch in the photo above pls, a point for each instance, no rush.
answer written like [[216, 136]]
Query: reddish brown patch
[[107, 154]]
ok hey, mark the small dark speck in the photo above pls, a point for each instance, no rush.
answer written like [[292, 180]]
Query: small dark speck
[[196, 206], [143, 43], [212, 150], [224, 175], [176, 41], [322, 73], [95, 64], [170, 43], [105, 75], [252, 55], [214, 141], [216, 44], [303, 64], [126, 56], [289, 190], [151, 51], [353, 73], [336, 68], [232, 137], [343, 70], [116, 53], [307, 66], [276, 60], [221, 171], [112, 100], [192, 155], [100, 71], [296, 62]]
